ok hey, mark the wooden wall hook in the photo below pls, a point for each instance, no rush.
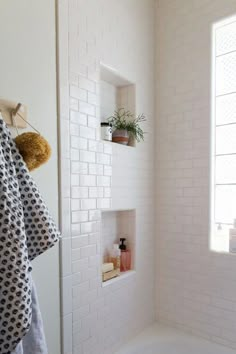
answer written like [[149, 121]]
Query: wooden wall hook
[[7, 108], [17, 109]]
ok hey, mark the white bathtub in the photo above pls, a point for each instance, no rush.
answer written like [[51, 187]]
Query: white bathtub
[[160, 339]]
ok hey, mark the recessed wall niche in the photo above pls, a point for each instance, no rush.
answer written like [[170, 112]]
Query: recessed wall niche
[[118, 224], [115, 92]]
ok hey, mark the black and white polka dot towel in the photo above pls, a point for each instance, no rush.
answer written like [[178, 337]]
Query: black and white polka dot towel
[[26, 230]]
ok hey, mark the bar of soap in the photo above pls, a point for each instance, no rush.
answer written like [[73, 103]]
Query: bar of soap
[[107, 267]]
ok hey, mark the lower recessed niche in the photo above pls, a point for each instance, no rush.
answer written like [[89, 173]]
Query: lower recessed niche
[[118, 224]]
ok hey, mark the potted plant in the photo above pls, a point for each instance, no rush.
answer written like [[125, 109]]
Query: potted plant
[[126, 127]]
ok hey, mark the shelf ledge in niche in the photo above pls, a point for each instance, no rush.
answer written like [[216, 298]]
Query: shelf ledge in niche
[[122, 146], [123, 276], [111, 210]]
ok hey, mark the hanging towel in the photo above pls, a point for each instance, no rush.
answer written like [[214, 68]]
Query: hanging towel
[[34, 341], [26, 230]]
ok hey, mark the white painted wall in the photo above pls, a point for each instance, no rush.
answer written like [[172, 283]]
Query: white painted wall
[[196, 288], [28, 74]]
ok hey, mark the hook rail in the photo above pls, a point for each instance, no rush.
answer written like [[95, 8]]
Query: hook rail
[[9, 109]]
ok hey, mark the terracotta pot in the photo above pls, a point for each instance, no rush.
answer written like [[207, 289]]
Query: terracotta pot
[[120, 137]]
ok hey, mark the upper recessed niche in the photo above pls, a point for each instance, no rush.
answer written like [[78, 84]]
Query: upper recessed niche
[[115, 92]]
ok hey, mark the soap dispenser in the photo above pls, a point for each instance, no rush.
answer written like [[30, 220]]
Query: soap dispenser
[[122, 244], [232, 238], [125, 257]]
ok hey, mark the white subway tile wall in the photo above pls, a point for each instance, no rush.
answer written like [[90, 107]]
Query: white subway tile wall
[[96, 175], [196, 288]]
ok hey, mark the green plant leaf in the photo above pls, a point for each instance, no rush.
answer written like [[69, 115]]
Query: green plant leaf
[[125, 120]]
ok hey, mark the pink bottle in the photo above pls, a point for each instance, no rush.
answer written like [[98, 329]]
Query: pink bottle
[[125, 257]]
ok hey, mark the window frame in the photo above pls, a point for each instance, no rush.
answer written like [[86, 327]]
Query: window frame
[[212, 239]]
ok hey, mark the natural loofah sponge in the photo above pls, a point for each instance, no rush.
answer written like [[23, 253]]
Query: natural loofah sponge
[[34, 149]]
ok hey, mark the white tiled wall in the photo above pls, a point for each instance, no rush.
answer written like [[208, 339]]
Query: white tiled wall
[[117, 93], [109, 232], [95, 319], [126, 98], [196, 288], [108, 100]]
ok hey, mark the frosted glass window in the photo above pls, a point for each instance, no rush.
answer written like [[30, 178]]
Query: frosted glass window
[[226, 38], [225, 169], [226, 74], [226, 139], [226, 109], [225, 200], [223, 203]]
